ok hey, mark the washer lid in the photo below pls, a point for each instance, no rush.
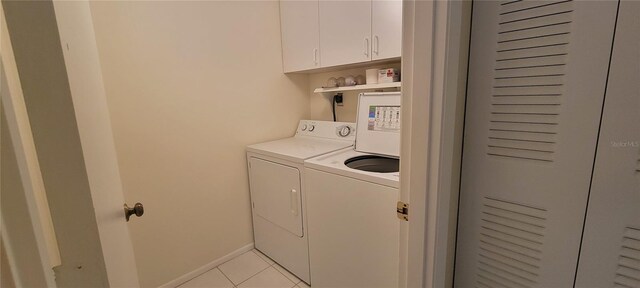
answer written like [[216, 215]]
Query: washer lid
[[335, 163], [378, 123], [297, 149]]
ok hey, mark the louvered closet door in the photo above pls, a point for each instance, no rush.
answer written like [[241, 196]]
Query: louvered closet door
[[610, 254], [535, 93]]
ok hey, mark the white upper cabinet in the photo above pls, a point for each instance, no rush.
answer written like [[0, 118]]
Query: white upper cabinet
[[327, 33], [300, 35], [386, 28], [345, 32]]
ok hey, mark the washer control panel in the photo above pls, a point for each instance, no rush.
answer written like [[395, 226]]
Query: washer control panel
[[327, 129]]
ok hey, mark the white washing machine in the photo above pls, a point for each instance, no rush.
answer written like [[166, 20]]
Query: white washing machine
[[351, 196], [276, 177]]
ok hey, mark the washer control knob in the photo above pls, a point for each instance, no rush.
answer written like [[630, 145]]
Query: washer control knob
[[304, 127], [312, 127], [344, 131]]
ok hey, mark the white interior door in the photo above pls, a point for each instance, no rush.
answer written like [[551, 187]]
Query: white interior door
[[537, 79], [82, 63], [275, 193], [345, 32], [610, 254], [93, 128]]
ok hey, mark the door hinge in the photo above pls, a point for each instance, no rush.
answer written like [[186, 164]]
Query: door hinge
[[403, 211]]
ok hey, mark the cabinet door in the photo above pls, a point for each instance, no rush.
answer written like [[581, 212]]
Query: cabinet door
[[345, 32], [275, 193], [610, 254], [386, 25], [300, 35], [537, 76]]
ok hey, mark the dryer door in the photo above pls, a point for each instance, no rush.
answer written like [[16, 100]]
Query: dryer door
[[275, 193]]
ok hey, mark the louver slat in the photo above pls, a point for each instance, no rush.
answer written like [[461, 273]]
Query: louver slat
[[511, 239], [628, 271], [529, 77]]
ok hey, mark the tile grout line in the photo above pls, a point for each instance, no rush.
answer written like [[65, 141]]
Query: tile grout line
[[285, 276], [225, 276], [185, 282], [252, 250], [245, 280], [274, 263], [234, 285]]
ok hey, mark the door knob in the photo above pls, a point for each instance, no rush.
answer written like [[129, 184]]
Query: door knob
[[137, 209]]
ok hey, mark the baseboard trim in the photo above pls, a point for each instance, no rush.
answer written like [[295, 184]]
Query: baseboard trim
[[206, 267]]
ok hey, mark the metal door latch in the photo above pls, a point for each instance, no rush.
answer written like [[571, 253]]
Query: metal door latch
[[403, 211]]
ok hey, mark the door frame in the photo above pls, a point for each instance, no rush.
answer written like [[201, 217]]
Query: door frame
[[434, 70], [35, 200]]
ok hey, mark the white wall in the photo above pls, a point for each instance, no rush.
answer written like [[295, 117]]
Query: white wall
[[189, 85], [321, 104]]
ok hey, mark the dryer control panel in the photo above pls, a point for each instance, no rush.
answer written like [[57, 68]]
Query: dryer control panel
[[327, 129]]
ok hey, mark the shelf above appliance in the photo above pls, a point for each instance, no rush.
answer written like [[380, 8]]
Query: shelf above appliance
[[360, 87]]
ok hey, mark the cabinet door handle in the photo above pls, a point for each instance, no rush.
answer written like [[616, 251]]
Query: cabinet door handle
[[294, 202], [366, 46], [315, 56], [376, 44]]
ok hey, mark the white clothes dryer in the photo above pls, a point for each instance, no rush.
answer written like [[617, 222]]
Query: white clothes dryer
[[276, 178]]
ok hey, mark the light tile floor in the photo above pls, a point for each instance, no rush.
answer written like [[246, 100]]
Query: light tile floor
[[249, 270]]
